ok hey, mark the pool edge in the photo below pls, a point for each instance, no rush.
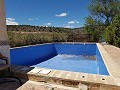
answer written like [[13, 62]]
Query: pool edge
[[85, 78]]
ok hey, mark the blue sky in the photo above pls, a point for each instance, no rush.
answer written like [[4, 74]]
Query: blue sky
[[58, 13]]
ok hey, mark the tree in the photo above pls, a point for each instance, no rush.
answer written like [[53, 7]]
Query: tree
[[94, 28], [102, 12], [112, 34], [105, 10]]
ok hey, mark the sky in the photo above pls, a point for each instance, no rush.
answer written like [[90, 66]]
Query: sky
[[58, 13]]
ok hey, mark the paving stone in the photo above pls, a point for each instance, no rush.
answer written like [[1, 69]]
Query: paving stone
[[52, 73], [57, 73], [64, 74], [82, 77], [31, 85], [71, 75], [100, 79], [105, 87], [112, 58], [91, 78]]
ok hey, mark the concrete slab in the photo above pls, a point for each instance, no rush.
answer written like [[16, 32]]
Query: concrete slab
[[44, 71], [111, 56]]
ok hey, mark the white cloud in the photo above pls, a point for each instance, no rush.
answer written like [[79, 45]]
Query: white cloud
[[62, 15], [73, 22], [11, 21], [68, 26], [30, 19], [76, 21], [48, 24]]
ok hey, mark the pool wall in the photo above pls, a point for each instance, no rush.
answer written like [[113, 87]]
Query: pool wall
[[76, 49], [32, 55], [102, 68]]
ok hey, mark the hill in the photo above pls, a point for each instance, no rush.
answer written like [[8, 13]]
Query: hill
[[21, 35]]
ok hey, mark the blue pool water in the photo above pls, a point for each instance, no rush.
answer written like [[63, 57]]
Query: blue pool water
[[67, 57], [71, 63]]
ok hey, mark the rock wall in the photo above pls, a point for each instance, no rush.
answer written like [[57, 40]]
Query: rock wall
[[4, 43]]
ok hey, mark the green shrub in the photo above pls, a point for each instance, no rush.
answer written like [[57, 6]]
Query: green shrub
[[112, 33], [30, 38]]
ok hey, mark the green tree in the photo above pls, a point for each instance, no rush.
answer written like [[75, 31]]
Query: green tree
[[112, 33], [103, 13], [105, 9], [94, 28]]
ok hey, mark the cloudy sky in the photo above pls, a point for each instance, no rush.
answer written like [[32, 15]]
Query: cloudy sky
[[59, 13]]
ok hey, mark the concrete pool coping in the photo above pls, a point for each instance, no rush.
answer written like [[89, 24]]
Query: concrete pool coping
[[74, 78], [54, 43], [109, 63]]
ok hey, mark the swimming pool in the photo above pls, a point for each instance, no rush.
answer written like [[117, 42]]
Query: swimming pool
[[69, 57]]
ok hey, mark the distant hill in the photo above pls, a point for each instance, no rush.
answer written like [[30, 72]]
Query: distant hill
[[22, 35], [29, 28]]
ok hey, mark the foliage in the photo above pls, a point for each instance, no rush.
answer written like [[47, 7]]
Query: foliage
[[94, 28], [103, 13], [29, 28], [22, 35], [105, 9], [112, 34], [60, 37], [21, 39]]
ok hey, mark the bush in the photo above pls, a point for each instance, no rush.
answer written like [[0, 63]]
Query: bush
[[30, 38], [112, 33]]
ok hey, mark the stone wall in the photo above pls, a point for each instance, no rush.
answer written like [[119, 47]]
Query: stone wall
[[4, 43]]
